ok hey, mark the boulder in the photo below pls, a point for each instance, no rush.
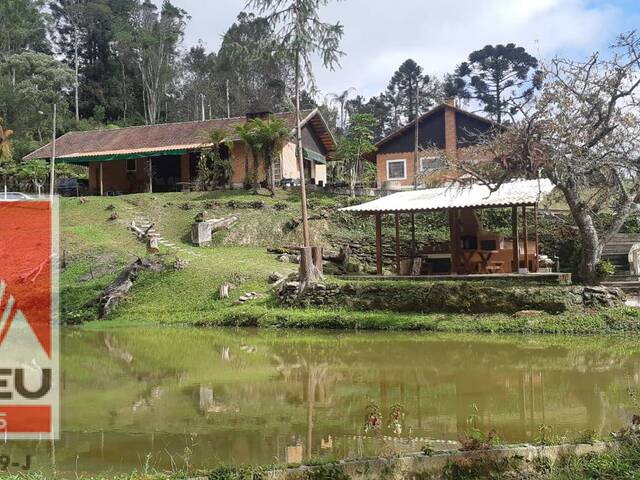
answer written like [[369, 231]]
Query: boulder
[[274, 277]]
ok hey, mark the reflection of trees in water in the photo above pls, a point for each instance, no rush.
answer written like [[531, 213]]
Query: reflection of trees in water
[[306, 390]]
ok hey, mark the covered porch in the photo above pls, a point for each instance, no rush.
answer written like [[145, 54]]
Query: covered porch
[[471, 250]]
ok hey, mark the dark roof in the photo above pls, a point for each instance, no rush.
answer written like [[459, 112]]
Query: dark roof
[[167, 136], [434, 111]]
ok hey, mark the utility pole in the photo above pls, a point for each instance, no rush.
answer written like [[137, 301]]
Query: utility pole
[[228, 104], [52, 173], [417, 132]]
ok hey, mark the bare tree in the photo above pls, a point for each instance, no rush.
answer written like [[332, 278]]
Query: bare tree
[[583, 133], [155, 42]]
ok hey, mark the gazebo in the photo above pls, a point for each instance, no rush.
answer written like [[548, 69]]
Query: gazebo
[[471, 249]]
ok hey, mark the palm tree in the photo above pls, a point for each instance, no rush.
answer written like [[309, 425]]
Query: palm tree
[[249, 135], [272, 134], [265, 138], [341, 100]]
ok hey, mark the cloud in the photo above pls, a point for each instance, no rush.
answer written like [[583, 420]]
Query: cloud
[[438, 34]]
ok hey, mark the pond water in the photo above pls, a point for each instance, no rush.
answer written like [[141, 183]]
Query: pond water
[[175, 398]]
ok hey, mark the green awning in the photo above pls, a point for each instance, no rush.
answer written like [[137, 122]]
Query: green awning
[[120, 156], [314, 156]]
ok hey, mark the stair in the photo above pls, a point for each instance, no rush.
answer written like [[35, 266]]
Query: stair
[[627, 286]]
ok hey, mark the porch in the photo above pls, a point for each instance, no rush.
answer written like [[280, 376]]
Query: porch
[[471, 251]]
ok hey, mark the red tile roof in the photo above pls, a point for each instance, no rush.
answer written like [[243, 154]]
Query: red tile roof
[[150, 138]]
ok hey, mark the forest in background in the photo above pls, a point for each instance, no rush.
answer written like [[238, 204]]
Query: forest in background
[[115, 63]]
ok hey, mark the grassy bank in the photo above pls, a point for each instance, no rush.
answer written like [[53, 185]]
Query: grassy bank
[[96, 249], [622, 462]]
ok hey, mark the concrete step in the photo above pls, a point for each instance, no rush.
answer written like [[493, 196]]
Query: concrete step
[[625, 286]]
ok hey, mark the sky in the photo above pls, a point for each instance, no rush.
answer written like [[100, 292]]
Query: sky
[[438, 34]]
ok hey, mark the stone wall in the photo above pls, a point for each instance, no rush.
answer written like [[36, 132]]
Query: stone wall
[[447, 296]]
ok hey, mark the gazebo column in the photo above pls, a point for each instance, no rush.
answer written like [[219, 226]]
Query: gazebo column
[[378, 244], [525, 235], [413, 235], [516, 242], [454, 240], [397, 243]]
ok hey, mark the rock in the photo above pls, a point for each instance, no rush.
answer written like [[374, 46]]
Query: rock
[[284, 258], [353, 266], [180, 264], [274, 277]]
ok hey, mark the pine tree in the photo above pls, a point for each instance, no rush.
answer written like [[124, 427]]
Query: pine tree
[[500, 77]]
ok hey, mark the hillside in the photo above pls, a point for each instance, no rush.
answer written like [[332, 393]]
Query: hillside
[[96, 248]]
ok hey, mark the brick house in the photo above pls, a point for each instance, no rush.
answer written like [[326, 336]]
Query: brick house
[[443, 130], [165, 157]]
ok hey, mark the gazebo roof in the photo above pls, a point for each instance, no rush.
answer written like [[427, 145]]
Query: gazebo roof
[[519, 192]]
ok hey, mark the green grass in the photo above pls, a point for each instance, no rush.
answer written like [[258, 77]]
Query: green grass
[[97, 249]]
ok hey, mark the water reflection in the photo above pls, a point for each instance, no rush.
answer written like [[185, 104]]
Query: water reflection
[[170, 398]]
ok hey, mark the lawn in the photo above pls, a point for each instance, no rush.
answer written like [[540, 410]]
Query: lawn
[[96, 249]]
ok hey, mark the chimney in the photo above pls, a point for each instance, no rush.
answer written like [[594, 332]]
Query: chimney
[[450, 129]]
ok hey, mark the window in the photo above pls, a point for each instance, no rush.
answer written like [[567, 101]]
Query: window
[[431, 163], [131, 165], [396, 169]]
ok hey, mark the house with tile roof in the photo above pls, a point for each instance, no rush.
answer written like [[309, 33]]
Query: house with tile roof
[[157, 158]]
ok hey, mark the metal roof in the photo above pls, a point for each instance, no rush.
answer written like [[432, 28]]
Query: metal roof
[[519, 192]]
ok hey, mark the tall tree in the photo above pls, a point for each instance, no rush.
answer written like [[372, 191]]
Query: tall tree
[[254, 65], [354, 145], [86, 35], [583, 133], [23, 26], [303, 34], [157, 35], [341, 99], [69, 16], [30, 83], [402, 93], [498, 76]]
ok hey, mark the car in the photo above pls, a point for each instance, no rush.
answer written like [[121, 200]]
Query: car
[[14, 196]]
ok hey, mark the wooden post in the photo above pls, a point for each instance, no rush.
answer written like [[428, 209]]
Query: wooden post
[[397, 243], [525, 239], [516, 242], [453, 239], [378, 244], [101, 182], [413, 235]]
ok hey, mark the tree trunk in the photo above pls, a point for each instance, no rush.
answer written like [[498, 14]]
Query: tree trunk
[[75, 61], [303, 191], [309, 273], [592, 246]]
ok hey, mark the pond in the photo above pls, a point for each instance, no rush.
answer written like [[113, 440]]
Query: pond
[[170, 398]]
